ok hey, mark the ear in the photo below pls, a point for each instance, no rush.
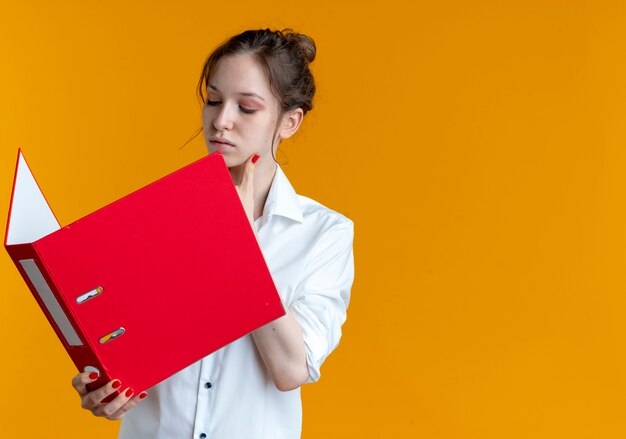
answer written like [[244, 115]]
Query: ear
[[290, 123]]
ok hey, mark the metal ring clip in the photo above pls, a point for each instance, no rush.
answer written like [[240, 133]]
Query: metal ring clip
[[89, 295], [112, 335]]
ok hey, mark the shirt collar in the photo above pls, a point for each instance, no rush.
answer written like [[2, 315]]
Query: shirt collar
[[282, 199]]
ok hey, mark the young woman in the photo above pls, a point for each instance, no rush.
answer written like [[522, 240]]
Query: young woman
[[256, 89]]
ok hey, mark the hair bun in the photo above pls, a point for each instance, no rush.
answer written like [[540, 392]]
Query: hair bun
[[305, 44]]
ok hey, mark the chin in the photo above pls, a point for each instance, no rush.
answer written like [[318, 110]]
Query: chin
[[233, 162]]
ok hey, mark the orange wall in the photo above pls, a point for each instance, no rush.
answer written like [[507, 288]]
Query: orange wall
[[478, 146]]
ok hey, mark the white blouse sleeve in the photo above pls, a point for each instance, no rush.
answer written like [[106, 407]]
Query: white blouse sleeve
[[323, 294]]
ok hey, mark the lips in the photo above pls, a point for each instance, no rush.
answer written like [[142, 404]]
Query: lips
[[218, 141]]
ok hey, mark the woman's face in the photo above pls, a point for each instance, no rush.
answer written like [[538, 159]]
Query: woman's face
[[240, 114]]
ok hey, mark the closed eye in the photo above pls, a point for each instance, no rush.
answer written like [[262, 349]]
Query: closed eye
[[242, 109]]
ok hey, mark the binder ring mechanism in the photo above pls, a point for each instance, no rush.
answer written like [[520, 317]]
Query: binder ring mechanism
[[89, 295], [112, 335]]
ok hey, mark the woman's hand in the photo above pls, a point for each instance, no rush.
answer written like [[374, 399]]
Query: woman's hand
[[92, 400], [246, 188]]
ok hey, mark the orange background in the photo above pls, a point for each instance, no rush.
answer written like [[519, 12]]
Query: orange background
[[478, 146]]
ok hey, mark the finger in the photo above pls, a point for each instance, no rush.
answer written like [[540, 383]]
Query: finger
[[132, 402], [93, 399], [81, 380], [108, 410], [248, 173]]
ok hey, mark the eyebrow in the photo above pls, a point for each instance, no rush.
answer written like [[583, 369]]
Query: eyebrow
[[242, 94]]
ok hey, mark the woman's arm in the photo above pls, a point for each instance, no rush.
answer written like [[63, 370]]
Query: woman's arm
[[280, 342], [281, 346]]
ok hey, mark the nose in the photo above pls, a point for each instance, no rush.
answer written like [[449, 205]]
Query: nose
[[223, 120]]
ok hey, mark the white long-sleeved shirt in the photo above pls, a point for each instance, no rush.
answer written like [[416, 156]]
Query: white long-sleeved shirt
[[229, 394]]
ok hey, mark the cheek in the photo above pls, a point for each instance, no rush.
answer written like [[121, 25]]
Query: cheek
[[206, 117], [270, 127], [268, 137], [258, 131]]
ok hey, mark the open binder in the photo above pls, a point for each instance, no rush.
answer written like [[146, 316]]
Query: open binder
[[150, 283]]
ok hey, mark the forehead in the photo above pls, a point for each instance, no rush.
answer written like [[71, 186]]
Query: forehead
[[236, 74]]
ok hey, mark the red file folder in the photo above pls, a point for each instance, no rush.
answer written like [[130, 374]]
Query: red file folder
[[151, 283]]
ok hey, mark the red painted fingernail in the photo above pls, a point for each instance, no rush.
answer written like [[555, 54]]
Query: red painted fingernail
[[255, 158], [142, 395], [93, 375], [129, 392], [115, 384]]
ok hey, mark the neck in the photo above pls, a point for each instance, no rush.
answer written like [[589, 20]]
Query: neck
[[263, 177]]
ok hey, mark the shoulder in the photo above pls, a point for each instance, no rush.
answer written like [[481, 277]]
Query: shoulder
[[324, 220], [312, 222]]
